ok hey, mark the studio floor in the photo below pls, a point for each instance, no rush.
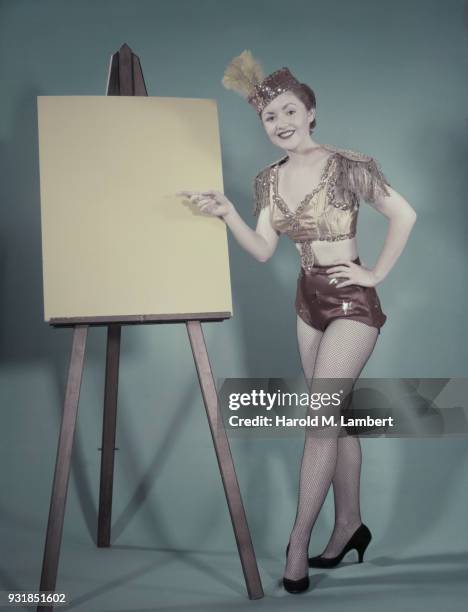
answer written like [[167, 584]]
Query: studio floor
[[132, 578]]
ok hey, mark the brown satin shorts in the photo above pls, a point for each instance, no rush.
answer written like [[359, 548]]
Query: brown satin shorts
[[318, 302]]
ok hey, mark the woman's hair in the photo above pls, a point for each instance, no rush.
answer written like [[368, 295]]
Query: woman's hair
[[307, 96]]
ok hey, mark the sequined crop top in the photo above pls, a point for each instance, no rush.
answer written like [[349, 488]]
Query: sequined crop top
[[330, 211]]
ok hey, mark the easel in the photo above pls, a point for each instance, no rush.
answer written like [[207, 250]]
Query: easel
[[126, 78]]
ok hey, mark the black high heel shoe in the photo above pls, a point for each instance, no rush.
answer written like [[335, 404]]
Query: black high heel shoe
[[296, 586], [359, 541]]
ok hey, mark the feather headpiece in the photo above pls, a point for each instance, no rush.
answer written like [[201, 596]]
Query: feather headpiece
[[245, 76]]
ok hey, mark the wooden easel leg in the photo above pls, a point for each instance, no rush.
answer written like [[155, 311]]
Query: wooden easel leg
[[108, 435], [62, 465], [226, 465]]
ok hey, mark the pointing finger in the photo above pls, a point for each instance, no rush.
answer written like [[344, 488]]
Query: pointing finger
[[188, 194]]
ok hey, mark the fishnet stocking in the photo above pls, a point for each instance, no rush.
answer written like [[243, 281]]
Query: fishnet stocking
[[341, 351]]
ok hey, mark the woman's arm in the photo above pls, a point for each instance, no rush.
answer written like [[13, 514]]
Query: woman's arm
[[401, 218], [261, 242]]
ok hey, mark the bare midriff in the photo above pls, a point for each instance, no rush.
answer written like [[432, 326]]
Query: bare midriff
[[326, 253]]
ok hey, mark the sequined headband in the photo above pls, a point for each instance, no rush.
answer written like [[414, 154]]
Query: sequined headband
[[245, 76], [272, 86]]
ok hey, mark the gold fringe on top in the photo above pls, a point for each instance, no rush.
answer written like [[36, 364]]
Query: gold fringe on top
[[356, 175], [363, 178], [262, 190]]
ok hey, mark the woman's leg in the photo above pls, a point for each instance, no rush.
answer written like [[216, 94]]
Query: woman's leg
[[344, 348], [346, 480], [346, 488], [308, 339]]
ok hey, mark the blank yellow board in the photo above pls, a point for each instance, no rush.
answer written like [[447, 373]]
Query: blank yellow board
[[116, 240]]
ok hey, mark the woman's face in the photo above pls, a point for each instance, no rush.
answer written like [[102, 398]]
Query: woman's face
[[286, 121]]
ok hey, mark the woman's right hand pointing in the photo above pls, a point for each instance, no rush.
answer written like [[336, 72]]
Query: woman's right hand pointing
[[211, 202]]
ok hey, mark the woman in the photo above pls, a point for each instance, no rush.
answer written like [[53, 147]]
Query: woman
[[312, 195]]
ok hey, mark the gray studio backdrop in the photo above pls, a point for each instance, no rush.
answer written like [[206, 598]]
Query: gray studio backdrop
[[390, 82]]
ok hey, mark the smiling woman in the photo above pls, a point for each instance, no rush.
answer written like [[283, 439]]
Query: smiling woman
[[312, 195], [287, 119], [290, 107]]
